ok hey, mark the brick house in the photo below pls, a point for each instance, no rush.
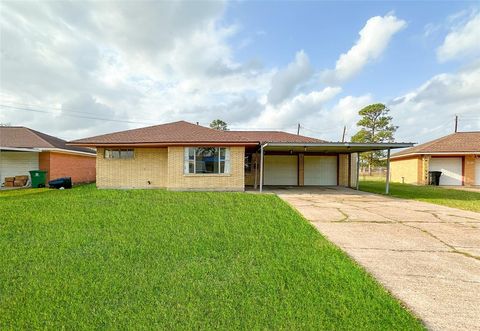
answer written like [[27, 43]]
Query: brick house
[[457, 156], [185, 156], [23, 149]]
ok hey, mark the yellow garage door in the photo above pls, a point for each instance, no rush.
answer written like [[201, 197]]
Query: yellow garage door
[[320, 170], [280, 170]]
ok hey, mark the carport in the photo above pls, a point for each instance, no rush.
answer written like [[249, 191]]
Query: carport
[[317, 164]]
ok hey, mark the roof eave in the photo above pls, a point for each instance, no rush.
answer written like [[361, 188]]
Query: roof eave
[[20, 149], [348, 144], [161, 144], [334, 147], [397, 156]]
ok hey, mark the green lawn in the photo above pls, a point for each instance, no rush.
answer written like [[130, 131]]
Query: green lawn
[[439, 195], [150, 259]]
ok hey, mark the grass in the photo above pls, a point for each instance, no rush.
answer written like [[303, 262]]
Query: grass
[[466, 200], [151, 259]]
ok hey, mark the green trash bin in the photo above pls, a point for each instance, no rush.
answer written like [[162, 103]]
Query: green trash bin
[[38, 177]]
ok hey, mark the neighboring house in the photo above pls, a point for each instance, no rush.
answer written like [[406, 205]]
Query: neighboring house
[[185, 156], [23, 149], [457, 156]]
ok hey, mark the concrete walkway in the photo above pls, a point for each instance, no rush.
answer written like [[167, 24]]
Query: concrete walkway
[[426, 255]]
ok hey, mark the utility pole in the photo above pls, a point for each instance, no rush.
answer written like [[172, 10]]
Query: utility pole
[[456, 123], [298, 129], [343, 135]]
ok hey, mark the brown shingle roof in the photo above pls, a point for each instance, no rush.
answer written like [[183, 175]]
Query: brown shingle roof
[[21, 137], [458, 142], [188, 133]]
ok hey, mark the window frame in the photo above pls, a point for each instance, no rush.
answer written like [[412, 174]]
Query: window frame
[[123, 153], [190, 159]]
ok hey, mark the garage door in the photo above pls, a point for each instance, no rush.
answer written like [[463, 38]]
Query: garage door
[[320, 170], [477, 171], [17, 163], [280, 170], [451, 168]]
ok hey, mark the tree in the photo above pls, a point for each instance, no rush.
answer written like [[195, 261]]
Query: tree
[[219, 125], [375, 127]]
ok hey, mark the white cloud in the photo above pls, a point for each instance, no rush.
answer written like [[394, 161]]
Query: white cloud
[[428, 111], [286, 80], [328, 122], [374, 39], [462, 41], [142, 62], [296, 109], [177, 62]]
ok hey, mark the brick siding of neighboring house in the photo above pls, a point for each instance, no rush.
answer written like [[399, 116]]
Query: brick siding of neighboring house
[[469, 171], [81, 168], [407, 170], [415, 169]]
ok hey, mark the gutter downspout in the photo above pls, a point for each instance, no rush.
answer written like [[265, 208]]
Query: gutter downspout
[[387, 182], [261, 166]]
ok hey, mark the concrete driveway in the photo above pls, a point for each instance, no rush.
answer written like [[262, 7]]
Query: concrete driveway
[[426, 255]]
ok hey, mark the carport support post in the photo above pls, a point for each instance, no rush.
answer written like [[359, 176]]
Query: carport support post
[[387, 181], [358, 170], [261, 168]]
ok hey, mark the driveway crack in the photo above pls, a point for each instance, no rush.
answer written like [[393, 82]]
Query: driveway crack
[[453, 248]]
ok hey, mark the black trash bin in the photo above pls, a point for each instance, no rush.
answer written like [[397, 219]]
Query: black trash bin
[[434, 177], [65, 182]]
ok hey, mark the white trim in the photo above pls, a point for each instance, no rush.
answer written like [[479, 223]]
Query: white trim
[[67, 151], [186, 161], [262, 147], [435, 153], [349, 144], [17, 149], [55, 150]]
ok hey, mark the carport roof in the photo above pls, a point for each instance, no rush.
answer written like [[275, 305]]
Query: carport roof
[[333, 147]]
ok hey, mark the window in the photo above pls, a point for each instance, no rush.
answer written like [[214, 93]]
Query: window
[[207, 160], [249, 166], [118, 153]]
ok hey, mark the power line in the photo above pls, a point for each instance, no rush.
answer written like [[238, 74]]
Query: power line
[[32, 106], [317, 131], [66, 113], [72, 115]]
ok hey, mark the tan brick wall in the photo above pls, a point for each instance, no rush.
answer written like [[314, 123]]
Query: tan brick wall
[[148, 164], [301, 169], [424, 167], [406, 170], [177, 180], [343, 170], [469, 178], [353, 169]]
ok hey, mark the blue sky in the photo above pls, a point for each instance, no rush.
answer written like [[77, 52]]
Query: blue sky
[[254, 64], [326, 29]]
